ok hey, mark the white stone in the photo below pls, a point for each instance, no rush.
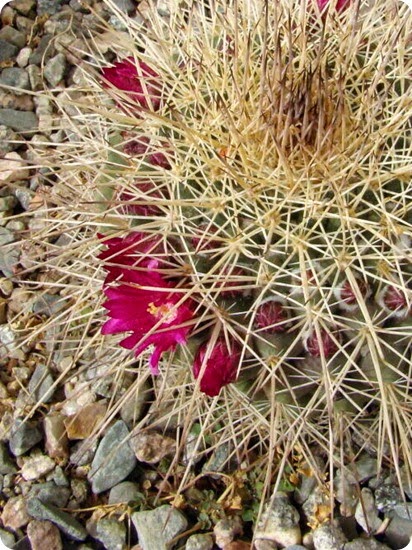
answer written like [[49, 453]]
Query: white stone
[[12, 168]]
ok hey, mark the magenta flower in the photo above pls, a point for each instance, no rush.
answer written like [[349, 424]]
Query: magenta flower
[[140, 82], [143, 302], [221, 365], [340, 4], [142, 201]]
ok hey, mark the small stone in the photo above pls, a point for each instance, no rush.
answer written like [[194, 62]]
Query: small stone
[[111, 533], [83, 452], [126, 6], [50, 493], [7, 137], [406, 481], [44, 51], [156, 528], [48, 304], [14, 515], [317, 506], [346, 492], [261, 544], [366, 467], [199, 542], [329, 536], [11, 35], [80, 490], [13, 167], [82, 424], [55, 436], [308, 481], [399, 532], [49, 7], [387, 496], [24, 6], [132, 408], [7, 51], [55, 69], [15, 78], [8, 337], [7, 203], [403, 510], [114, 459], [36, 80], [226, 530], [366, 513], [280, 522], [124, 492], [365, 544], [296, 547], [44, 534], [37, 466], [7, 539], [24, 435], [20, 121], [67, 524], [151, 447], [7, 465], [41, 385]]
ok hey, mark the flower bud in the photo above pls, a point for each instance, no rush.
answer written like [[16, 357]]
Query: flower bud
[[272, 316], [221, 368]]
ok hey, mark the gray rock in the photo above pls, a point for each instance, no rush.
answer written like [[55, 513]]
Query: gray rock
[[406, 481], [387, 496], [124, 492], [35, 76], [24, 6], [295, 547], [7, 538], [280, 522], [126, 6], [44, 534], [80, 490], [346, 492], [83, 452], [114, 459], [16, 78], [156, 528], [20, 121], [44, 51], [366, 467], [366, 513], [7, 465], [399, 532], [37, 466], [50, 493], [66, 523], [24, 435], [403, 510], [48, 7], [199, 542], [55, 69], [226, 530], [11, 35], [7, 137], [329, 536], [41, 384], [7, 51], [365, 544], [8, 337], [15, 515], [111, 533]]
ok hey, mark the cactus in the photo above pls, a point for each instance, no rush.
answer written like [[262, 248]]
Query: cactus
[[259, 153]]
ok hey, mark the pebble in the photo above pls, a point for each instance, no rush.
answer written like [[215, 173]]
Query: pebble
[[82, 452], [151, 447], [317, 506], [15, 77], [50, 493], [124, 492], [156, 528], [48, 7], [24, 435], [280, 522], [403, 510], [55, 436], [82, 424], [387, 496], [114, 459], [43, 52], [7, 465], [41, 384], [346, 491], [7, 51], [7, 137], [24, 6], [55, 69], [329, 536], [226, 530], [126, 6], [36, 81], [37, 466], [199, 542], [399, 532], [366, 513], [7, 538], [365, 544], [15, 514], [12, 36], [67, 524], [12, 168], [79, 491], [20, 121], [44, 534], [262, 544], [111, 533]]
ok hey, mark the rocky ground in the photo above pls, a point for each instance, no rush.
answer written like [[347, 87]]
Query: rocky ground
[[56, 495]]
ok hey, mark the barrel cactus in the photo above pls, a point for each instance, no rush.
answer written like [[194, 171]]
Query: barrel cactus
[[242, 221]]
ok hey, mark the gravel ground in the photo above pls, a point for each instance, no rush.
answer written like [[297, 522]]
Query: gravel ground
[[55, 496]]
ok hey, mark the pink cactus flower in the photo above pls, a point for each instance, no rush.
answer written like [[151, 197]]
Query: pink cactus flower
[[323, 345], [272, 316], [340, 5], [142, 301], [140, 82], [394, 301], [221, 365]]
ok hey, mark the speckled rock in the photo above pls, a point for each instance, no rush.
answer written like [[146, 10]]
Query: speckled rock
[[55, 69], [124, 492], [111, 533], [13, 36], [50, 493], [226, 530], [7, 51], [24, 435], [156, 528], [366, 513], [199, 542], [20, 121], [329, 536], [15, 514], [387, 496], [15, 77], [37, 466], [280, 522], [7, 465], [44, 534], [150, 446], [66, 523], [114, 459]]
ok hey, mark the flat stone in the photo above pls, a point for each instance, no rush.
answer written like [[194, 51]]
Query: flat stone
[[66, 523], [111, 533], [280, 522], [387, 496], [124, 492], [12, 168], [399, 532], [36, 467], [114, 459], [156, 528], [82, 424], [50, 493], [44, 51], [7, 465], [24, 435], [7, 51], [366, 513], [44, 534], [55, 436], [11, 35], [41, 384], [15, 77], [7, 538], [48, 7], [151, 447], [20, 121], [365, 544], [55, 69], [14, 515]]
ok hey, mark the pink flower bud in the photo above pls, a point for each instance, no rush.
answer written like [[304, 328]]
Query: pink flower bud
[[272, 316], [393, 300], [323, 345], [346, 296], [221, 365]]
